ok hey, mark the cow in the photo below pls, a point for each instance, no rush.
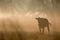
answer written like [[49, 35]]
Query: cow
[[42, 23]]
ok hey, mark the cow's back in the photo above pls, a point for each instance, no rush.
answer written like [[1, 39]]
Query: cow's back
[[43, 22]]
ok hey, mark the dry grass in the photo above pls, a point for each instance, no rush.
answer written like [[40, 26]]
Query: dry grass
[[28, 36], [24, 36]]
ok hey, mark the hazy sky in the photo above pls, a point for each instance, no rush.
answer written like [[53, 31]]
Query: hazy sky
[[24, 6]]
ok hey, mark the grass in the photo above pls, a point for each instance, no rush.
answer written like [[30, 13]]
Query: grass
[[28, 36], [24, 36]]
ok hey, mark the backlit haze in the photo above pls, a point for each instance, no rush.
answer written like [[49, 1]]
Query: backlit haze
[[24, 13]]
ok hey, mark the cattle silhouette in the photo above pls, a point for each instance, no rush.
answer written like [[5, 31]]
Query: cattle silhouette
[[42, 23]]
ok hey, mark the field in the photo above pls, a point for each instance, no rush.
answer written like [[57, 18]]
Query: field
[[24, 36], [27, 36]]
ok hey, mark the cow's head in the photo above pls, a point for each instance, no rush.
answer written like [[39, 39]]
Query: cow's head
[[37, 18]]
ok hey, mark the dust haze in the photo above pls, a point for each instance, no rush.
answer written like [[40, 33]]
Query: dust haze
[[17, 19], [24, 13]]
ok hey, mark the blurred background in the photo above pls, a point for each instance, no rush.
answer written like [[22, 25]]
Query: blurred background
[[19, 15]]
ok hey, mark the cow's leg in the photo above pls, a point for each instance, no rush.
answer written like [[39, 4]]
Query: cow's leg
[[43, 30], [48, 28], [40, 30]]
